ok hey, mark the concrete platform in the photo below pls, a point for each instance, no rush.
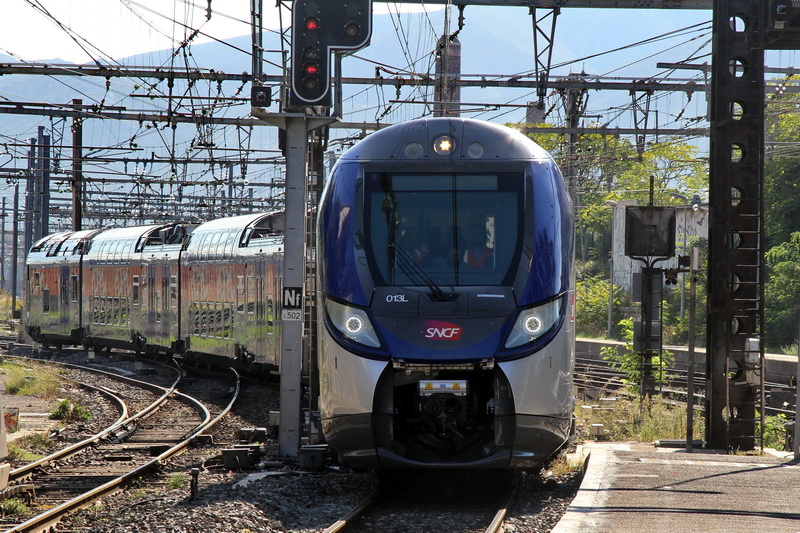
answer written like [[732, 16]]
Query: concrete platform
[[636, 488]]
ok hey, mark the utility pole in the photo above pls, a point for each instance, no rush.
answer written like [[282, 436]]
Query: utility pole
[[77, 169], [15, 252], [30, 194], [42, 199], [3, 248]]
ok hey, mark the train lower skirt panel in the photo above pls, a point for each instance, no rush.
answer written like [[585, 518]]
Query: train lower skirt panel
[[362, 444]]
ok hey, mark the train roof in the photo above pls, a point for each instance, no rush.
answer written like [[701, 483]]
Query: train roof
[[49, 243], [127, 232], [134, 239], [239, 222], [469, 140], [250, 227]]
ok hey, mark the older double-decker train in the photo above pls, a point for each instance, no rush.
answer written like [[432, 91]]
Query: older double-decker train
[[207, 292], [445, 296]]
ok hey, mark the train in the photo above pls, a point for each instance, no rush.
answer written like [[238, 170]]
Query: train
[[206, 292], [446, 287], [444, 297]]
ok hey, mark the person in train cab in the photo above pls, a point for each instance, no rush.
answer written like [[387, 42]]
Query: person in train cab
[[477, 253], [416, 245]]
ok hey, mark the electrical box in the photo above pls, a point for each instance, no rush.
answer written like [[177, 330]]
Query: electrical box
[[649, 231], [783, 25]]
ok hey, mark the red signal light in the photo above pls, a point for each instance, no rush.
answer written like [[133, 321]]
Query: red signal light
[[311, 68], [311, 23]]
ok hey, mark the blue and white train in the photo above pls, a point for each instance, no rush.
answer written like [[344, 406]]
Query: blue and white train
[[446, 298]]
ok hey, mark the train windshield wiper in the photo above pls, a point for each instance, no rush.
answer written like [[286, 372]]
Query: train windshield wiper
[[415, 273]]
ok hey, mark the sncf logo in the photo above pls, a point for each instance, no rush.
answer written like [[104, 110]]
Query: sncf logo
[[443, 331]]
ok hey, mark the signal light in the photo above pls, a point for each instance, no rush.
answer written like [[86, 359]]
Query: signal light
[[320, 27], [352, 29]]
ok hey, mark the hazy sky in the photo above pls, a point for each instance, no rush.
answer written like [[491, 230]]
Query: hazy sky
[[120, 28]]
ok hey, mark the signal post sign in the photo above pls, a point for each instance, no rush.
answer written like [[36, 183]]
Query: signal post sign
[[292, 303]]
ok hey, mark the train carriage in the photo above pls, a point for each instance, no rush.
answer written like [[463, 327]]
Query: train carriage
[[155, 288], [54, 294], [231, 273], [128, 291], [446, 293]]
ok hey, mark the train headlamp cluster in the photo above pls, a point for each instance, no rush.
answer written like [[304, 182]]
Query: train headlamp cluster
[[443, 145], [353, 323], [534, 322]]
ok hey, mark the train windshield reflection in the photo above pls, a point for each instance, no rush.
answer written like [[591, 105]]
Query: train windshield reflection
[[443, 228]]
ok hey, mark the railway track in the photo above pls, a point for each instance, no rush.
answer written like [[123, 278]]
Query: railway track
[[433, 501], [164, 422], [601, 377]]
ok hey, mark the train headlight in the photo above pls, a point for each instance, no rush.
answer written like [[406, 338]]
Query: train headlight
[[353, 323], [534, 322], [444, 145]]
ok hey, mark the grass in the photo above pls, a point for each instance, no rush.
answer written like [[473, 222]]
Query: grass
[[13, 506], [36, 442], [15, 452], [625, 419], [30, 380], [560, 466], [176, 482]]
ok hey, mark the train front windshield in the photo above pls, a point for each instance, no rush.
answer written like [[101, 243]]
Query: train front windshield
[[444, 228]]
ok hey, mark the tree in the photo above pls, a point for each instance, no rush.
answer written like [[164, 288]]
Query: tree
[[783, 292]]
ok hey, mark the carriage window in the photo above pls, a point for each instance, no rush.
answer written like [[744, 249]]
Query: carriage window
[[215, 249], [45, 300], [229, 240], [135, 290], [251, 295], [74, 288], [240, 294], [173, 291], [444, 229]]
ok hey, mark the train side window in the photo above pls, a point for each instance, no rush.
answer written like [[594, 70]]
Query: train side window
[[251, 295], [260, 299], [112, 251], [45, 300], [73, 287], [240, 294], [202, 248], [214, 250], [63, 289], [270, 315], [151, 287], [173, 291], [229, 243], [135, 290], [37, 279]]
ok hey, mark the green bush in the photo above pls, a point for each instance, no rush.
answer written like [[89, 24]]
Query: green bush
[[70, 412], [13, 506], [591, 307], [640, 420], [630, 362]]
